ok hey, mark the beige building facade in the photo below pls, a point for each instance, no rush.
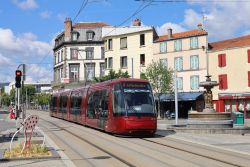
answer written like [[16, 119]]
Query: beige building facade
[[129, 48], [229, 65], [184, 52]]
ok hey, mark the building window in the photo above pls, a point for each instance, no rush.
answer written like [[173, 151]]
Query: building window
[[102, 69], [110, 44], [60, 73], [75, 36], [194, 82], [123, 42], [142, 59], [55, 60], [177, 45], [58, 57], [179, 83], [123, 62], [178, 63], [106, 63], [223, 81], [102, 53], [222, 60], [194, 62], [73, 54], [142, 39], [62, 56], [89, 53], [89, 71], [110, 62], [194, 42], [90, 35], [248, 55], [164, 62], [163, 47], [74, 72]]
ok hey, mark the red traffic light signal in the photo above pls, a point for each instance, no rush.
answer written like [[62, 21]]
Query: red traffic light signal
[[18, 78], [18, 73]]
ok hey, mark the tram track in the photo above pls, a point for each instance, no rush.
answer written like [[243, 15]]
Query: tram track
[[194, 153], [148, 151], [92, 144]]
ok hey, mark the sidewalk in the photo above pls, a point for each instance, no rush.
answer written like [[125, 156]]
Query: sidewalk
[[234, 142], [7, 129]]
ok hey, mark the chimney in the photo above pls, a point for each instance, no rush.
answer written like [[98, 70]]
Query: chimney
[[137, 22], [67, 29], [200, 26], [170, 33]]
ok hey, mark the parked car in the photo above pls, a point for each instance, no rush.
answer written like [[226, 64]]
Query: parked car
[[169, 115]]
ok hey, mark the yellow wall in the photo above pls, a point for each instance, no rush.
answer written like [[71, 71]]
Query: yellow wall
[[236, 68], [133, 50]]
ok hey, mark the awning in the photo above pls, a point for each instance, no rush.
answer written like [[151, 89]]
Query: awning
[[182, 96]]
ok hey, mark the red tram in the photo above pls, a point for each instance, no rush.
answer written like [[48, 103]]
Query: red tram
[[120, 106]]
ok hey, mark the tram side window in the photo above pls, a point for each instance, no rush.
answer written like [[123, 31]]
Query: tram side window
[[104, 104], [76, 102], [63, 103], [90, 108], [53, 104], [119, 108]]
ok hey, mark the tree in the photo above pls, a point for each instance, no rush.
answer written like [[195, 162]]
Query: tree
[[5, 99], [160, 78], [112, 75]]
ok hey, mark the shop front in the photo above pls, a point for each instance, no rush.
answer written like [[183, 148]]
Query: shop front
[[234, 102]]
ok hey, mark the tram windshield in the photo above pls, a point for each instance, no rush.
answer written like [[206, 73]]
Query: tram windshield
[[133, 98]]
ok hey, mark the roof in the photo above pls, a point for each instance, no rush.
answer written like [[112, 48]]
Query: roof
[[89, 25], [230, 43], [182, 96], [182, 35]]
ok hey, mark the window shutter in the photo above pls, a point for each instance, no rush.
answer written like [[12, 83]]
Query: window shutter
[[219, 60], [248, 55], [223, 60], [220, 82], [225, 81], [248, 78]]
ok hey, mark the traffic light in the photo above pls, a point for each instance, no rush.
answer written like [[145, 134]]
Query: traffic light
[[18, 78]]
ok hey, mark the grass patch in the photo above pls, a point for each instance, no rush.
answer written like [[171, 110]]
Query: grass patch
[[35, 150]]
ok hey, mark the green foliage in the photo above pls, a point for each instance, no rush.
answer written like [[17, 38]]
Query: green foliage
[[42, 99], [112, 75], [160, 78], [5, 99]]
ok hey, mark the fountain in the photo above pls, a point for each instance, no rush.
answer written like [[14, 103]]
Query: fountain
[[209, 118]]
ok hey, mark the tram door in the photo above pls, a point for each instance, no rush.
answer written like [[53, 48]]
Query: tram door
[[103, 109]]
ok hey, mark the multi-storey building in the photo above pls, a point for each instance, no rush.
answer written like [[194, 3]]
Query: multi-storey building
[[78, 53], [229, 64], [129, 48], [185, 53]]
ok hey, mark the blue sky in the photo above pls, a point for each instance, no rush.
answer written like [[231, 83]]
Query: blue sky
[[28, 27]]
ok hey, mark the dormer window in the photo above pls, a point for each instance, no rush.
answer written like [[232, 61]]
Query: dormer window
[[90, 35], [75, 36]]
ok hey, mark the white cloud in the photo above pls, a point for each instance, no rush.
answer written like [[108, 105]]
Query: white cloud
[[224, 19], [163, 30], [45, 14], [25, 4], [23, 48], [4, 60]]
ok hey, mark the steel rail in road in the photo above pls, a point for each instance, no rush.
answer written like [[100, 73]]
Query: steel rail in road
[[92, 144], [195, 153]]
